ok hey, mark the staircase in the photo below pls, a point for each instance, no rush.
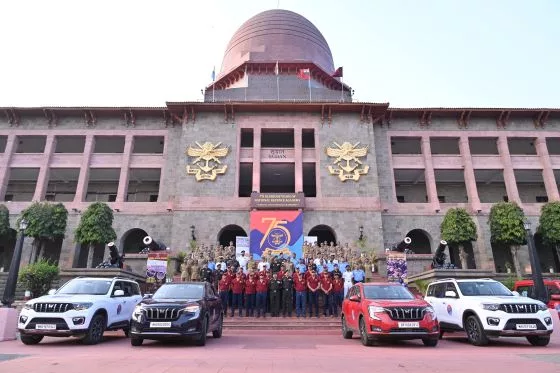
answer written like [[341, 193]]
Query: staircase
[[283, 325], [20, 292]]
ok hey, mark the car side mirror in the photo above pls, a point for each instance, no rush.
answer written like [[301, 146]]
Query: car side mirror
[[118, 293], [555, 297], [450, 294], [516, 294], [354, 298], [52, 292]]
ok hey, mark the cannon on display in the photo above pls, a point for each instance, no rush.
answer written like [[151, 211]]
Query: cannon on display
[[115, 260], [438, 260], [404, 244], [152, 245]]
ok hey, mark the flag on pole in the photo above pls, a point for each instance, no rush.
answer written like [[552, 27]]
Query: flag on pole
[[276, 69], [337, 73], [304, 74], [214, 74]]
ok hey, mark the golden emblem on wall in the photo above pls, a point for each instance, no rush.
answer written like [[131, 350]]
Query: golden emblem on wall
[[205, 163], [346, 164]]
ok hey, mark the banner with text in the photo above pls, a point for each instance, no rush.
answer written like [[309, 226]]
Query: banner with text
[[241, 244], [276, 232], [156, 268]]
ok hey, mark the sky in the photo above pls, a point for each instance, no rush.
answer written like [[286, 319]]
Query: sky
[[415, 53]]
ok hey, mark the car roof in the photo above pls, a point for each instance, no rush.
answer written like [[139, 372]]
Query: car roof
[[381, 283], [464, 280], [530, 282]]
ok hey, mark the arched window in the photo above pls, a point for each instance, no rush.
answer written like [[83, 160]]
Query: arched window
[[421, 242], [131, 242], [228, 233], [324, 233]]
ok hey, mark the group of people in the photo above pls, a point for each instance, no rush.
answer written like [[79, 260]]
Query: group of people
[[279, 284]]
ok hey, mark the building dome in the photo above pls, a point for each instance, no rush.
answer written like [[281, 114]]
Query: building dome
[[277, 35]]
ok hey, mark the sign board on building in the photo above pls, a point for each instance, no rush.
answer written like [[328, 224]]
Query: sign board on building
[[276, 233], [282, 154], [277, 201]]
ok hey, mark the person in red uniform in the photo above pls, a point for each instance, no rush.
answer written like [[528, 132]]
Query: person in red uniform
[[313, 293], [338, 293], [250, 297], [230, 275], [224, 286], [300, 284], [237, 286], [262, 289], [326, 291]]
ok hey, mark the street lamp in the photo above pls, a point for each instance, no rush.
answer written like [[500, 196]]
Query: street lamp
[[361, 233], [192, 233], [11, 283], [539, 291]]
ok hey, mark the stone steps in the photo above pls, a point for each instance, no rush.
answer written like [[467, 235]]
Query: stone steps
[[317, 325]]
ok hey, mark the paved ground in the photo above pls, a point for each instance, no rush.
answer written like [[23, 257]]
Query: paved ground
[[279, 352]]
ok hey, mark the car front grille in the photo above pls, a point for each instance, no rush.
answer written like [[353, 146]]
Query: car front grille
[[162, 314], [60, 323], [406, 313], [52, 307], [519, 308], [511, 323]]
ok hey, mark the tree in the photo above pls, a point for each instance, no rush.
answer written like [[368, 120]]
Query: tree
[[4, 221], [549, 225], [96, 227], [506, 228], [45, 222], [458, 228]]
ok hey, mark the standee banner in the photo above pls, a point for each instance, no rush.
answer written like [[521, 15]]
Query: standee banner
[[397, 268], [156, 269], [276, 233], [241, 243]]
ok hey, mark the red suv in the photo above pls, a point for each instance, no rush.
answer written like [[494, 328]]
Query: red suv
[[387, 311], [525, 288]]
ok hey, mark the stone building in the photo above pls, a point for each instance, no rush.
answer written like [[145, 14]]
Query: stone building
[[276, 126]]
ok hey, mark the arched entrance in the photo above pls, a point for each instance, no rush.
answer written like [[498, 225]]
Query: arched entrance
[[421, 242], [228, 233], [547, 255], [132, 241], [324, 233], [7, 246]]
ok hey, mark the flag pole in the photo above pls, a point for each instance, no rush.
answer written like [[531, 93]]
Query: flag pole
[[277, 81], [309, 84], [247, 81], [341, 89], [213, 82]]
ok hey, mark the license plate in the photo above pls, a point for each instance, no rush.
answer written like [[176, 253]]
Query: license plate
[[409, 325], [160, 325], [45, 326], [526, 326]]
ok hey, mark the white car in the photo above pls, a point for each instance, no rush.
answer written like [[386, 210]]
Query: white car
[[83, 307], [484, 308]]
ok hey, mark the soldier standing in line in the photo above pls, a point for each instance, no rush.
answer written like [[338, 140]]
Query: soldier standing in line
[[313, 292], [287, 294], [185, 270], [237, 286], [205, 272], [218, 274], [338, 293], [224, 286], [195, 271], [275, 289], [326, 289], [250, 291], [300, 284], [262, 290]]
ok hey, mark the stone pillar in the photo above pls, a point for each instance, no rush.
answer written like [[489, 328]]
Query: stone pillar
[[298, 157], [470, 180], [547, 172], [83, 179], [5, 164], [509, 175], [429, 175], [43, 178], [256, 159], [125, 170]]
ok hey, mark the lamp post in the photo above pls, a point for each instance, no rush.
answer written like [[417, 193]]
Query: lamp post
[[192, 233], [361, 233], [11, 283], [536, 271]]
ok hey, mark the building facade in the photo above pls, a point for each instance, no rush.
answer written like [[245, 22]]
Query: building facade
[[271, 122]]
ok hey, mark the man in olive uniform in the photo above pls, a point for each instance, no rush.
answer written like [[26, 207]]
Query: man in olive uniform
[[275, 289], [275, 266], [205, 272], [287, 294]]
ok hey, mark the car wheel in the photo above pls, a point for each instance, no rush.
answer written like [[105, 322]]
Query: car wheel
[[474, 330], [346, 334], [430, 342], [134, 341], [126, 332], [366, 341], [31, 339], [218, 332], [536, 340], [201, 340], [441, 333], [94, 334]]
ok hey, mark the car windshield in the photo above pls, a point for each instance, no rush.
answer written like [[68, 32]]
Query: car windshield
[[482, 288], [83, 286], [182, 291], [387, 292]]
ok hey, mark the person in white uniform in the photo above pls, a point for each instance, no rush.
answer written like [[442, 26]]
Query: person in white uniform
[[348, 276]]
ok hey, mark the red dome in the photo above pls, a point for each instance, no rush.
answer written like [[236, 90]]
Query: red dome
[[277, 35]]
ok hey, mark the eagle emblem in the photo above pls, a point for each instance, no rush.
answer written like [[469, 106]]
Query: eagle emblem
[[346, 163], [205, 160]]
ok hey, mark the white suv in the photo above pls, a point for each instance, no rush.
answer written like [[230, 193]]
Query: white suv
[[485, 308], [83, 307]]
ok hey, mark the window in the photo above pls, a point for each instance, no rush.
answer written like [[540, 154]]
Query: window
[[439, 291], [153, 197], [9, 197], [451, 287], [553, 290], [400, 199], [246, 137], [525, 291], [441, 199], [541, 199], [430, 292], [506, 199], [112, 197], [308, 138]]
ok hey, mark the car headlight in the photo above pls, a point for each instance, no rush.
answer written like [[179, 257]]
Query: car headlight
[[28, 306], [138, 314], [542, 307], [192, 309], [490, 306], [81, 306], [373, 310], [429, 310]]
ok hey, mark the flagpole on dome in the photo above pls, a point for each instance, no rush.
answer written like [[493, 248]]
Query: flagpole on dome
[[213, 81], [277, 73], [309, 83]]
